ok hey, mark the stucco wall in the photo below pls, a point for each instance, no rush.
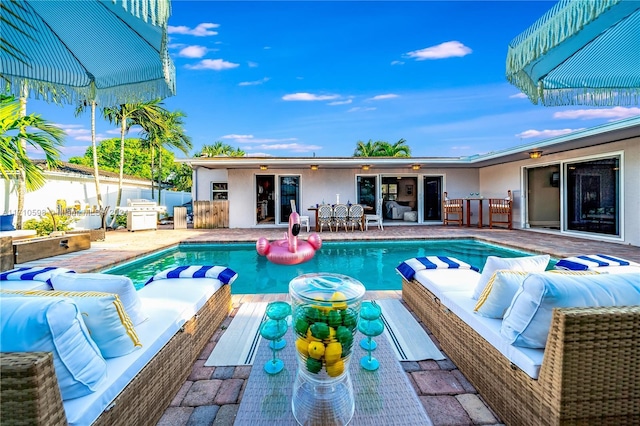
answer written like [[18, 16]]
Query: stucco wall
[[317, 186], [83, 190], [495, 180]]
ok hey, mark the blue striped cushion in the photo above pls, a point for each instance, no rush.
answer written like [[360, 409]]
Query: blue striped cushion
[[43, 274], [583, 263], [222, 273], [409, 267]]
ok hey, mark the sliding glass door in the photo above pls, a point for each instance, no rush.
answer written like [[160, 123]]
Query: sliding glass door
[[593, 196], [289, 191]]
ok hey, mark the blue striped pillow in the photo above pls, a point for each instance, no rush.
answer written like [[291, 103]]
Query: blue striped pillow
[[222, 273]]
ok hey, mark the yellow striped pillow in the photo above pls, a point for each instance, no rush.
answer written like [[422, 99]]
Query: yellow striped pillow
[[498, 293], [103, 314]]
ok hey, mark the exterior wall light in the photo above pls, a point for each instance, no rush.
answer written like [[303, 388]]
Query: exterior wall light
[[415, 167], [365, 167], [535, 154], [263, 167], [314, 167]]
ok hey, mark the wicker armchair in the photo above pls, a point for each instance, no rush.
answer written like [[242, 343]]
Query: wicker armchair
[[325, 216], [356, 213]]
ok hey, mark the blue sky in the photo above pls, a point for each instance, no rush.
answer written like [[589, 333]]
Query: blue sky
[[313, 78]]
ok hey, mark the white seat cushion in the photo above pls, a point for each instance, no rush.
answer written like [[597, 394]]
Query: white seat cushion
[[439, 281]]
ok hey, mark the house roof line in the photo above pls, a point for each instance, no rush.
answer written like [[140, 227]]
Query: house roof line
[[609, 132]]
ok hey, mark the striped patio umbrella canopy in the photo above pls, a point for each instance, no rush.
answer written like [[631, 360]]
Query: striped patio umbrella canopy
[[581, 52], [109, 51]]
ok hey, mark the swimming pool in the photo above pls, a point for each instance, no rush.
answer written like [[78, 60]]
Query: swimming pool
[[371, 262]]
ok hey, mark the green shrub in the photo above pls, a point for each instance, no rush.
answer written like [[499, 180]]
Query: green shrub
[[44, 225]]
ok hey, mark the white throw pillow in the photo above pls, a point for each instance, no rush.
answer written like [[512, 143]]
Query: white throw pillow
[[106, 283], [103, 314], [527, 264], [502, 287], [498, 293], [526, 323], [51, 324]]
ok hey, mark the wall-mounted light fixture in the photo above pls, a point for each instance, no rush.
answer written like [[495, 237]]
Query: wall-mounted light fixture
[[366, 167], [314, 167], [415, 167], [535, 154], [263, 167]]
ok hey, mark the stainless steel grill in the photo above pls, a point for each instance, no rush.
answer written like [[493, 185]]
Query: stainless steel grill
[[142, 214]]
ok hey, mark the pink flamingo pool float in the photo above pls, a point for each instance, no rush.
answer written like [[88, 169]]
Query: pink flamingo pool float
[[290, 250]]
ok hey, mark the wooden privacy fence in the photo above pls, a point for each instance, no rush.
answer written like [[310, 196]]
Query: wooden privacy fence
[[211, 214]]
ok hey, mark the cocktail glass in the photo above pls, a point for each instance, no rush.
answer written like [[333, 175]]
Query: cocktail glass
[[369, 311], [278, 311], [272, 330], [370, 328]]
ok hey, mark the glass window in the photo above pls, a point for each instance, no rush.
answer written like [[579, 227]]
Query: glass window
[[219, 191], [593, 196], [366, 191], [289, 191]]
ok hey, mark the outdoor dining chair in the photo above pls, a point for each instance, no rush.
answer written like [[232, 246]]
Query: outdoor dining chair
[[341, 215], [375, 218], [500, 211], [451, 210], [325, 216], [356, 211]]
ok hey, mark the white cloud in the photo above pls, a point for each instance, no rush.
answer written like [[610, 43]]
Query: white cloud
[[355, 109], [113, 131], [267, 48], [193, 52], [175, 45], [202, 30], [253, 83], [518, 96], [251, 139], [447, 49], [615, 113], [294, 147], [383, 97], [348, 101], [308, 97], [234, 136], [252, 64], [213, 64], [397, 62], [527, 134]]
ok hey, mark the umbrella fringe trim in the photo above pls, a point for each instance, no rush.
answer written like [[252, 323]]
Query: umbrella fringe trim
[[537, 94], [112, 96], [561, 22], [154, 11]]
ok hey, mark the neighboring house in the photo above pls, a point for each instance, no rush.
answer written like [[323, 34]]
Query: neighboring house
[[586, 183], [73, 186]]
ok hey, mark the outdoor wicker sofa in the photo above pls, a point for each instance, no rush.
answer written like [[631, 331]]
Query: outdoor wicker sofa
[[590, 372], [30, 394]]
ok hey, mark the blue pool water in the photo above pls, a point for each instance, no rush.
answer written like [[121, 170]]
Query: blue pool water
[[371, 262]]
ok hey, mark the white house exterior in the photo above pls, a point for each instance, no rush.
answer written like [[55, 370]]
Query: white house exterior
[[75, 185], [585, 184]]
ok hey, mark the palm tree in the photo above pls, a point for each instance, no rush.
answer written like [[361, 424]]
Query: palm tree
[[398, 149], [367, 149], [165, 130], [16, 131], [220, 149], [128, 115], [96, 172]]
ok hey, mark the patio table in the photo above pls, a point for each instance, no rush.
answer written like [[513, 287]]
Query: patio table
[[479, 200], [382, 397]]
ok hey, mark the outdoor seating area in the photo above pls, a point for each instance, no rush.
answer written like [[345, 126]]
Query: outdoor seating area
[[99, 378], [455, 210], [527, 338]]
